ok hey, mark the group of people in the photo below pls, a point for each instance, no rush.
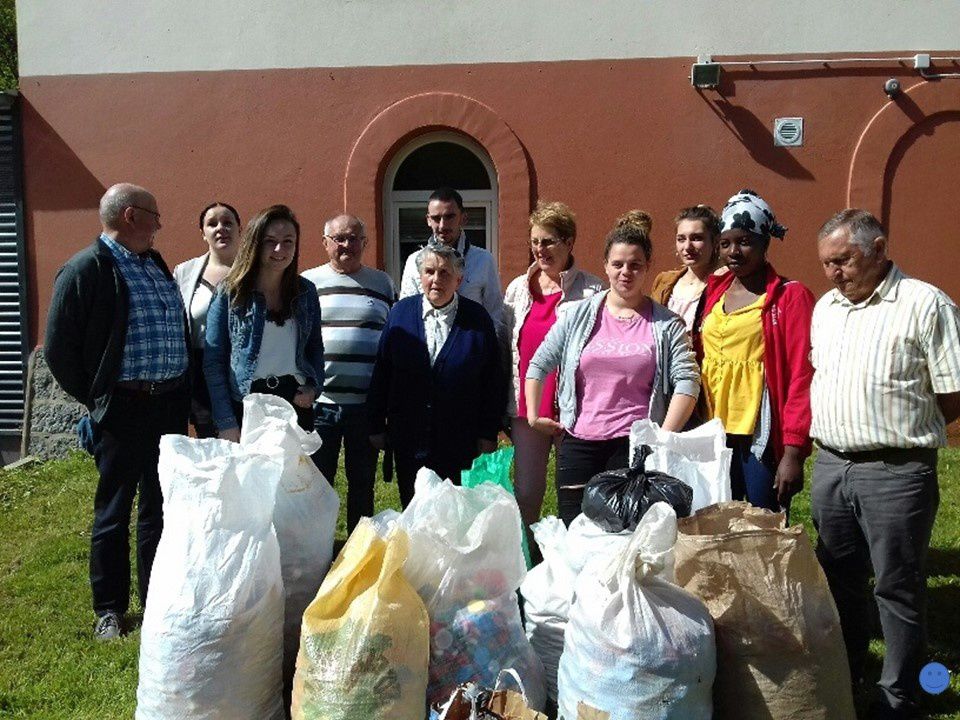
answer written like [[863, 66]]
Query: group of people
[[563, 359]]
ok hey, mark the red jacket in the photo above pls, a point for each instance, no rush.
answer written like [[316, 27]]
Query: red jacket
[[786, 314]]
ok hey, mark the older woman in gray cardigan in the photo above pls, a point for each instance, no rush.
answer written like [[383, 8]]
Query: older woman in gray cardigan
[[198, 279], [621, 357]]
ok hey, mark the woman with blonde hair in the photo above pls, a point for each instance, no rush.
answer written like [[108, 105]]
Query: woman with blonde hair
[[263, 326], [532, 303]]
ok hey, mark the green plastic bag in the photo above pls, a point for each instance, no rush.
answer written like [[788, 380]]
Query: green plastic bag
[[495, 468]]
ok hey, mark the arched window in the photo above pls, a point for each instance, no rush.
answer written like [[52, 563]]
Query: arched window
[[429, 162]]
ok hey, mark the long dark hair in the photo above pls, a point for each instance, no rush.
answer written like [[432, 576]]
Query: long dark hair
[[241, 280]]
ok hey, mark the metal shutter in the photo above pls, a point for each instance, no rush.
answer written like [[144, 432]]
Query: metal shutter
[[13, 306]]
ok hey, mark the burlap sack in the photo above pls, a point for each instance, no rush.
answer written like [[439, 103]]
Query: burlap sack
[[780, 652]]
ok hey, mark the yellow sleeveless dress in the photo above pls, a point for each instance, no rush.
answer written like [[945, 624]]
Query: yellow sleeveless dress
[[733, 365]]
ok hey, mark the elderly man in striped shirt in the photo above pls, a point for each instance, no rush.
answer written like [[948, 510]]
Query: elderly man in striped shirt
[[886, 351], [354, 302]]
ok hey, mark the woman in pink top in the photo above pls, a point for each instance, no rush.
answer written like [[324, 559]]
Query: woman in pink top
[[621, 357], [532, 304]]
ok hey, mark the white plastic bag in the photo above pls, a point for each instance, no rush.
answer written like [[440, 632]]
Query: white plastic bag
[[465, 561], [548, 588], [305, 513], [211, 645], [638, 646], [699, 457]]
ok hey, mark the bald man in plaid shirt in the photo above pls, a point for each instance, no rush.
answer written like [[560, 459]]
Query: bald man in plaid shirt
[[116, 340]]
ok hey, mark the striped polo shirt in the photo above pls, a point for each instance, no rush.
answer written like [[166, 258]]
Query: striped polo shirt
[[353, 311], [880, 364]]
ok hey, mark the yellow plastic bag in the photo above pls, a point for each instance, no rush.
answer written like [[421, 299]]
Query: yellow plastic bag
[[365, 641]]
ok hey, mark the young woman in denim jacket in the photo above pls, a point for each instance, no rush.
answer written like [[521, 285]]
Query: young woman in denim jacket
[[622, 357], [263, 326]]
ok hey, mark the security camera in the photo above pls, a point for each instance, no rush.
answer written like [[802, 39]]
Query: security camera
[[892, 88]]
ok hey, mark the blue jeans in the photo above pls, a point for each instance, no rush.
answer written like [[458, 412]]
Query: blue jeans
[[347, 425], [751, 479]]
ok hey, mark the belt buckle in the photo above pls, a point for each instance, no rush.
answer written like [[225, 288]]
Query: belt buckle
[[272, 381]]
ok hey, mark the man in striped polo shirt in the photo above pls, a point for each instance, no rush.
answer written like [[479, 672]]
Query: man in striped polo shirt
[[886, 351], [354, 302]]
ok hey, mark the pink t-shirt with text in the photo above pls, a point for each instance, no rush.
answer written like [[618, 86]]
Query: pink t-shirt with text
[[615, 376]]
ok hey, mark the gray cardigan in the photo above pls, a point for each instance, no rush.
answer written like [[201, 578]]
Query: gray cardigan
[[677, 370], [187, 276]]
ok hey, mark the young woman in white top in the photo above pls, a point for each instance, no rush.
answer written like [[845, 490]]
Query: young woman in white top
[[198, 279]]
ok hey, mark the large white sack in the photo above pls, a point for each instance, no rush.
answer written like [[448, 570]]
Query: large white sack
[[699, 457], [548, 588], [638, 646], [466, 563], [211, 645], [305, 513]]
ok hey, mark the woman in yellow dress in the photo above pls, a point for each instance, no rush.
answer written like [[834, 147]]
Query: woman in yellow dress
[[752, 336]]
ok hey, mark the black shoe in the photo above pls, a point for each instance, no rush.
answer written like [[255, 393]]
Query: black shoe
[[107, 626]]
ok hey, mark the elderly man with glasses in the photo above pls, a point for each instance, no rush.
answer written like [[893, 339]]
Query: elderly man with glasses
[[354, 302], [116, 340]]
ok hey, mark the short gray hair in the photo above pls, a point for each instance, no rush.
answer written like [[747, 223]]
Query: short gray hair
[[863, 227], [118, 198], [349, 220], [443, 252]]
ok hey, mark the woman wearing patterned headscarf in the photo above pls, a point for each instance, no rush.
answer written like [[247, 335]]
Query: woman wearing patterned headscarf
[[752, 337]]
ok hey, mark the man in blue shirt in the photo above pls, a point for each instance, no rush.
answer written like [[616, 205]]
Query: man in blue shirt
[[116, 340]]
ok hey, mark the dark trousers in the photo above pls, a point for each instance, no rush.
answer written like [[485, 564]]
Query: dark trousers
[[406, 467], [877, 508], [200, 414], [347, 425], [751, 478], [286, 387], [578, 461], [127, 450]]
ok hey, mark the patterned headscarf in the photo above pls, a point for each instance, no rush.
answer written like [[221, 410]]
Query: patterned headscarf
[[748, 211]]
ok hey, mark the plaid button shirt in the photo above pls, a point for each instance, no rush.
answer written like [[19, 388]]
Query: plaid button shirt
[[155, 347]]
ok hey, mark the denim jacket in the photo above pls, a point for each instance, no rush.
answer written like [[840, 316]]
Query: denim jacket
[[233, 347], [677, 370]]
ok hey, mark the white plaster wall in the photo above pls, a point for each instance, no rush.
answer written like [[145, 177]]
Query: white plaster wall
[[58, 37]]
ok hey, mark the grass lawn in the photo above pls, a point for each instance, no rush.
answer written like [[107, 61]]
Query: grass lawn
[[51, 668]]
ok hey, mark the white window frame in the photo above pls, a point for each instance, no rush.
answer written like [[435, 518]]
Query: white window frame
[[394, 200]]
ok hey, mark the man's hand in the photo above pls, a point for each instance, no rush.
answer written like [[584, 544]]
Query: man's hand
[[379, 441], [305, 396], [486, 446], [789, 477], [231, 434], [547, 426]]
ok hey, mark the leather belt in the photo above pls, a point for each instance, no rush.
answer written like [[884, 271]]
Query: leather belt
[[151, 387]]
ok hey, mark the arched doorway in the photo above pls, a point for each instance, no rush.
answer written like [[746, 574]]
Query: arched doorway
[[428, 162]]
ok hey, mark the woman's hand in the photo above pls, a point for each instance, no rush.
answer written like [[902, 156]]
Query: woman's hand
[[379, 441], [789, 477], [305, 396], [231, 434], [547, 426]]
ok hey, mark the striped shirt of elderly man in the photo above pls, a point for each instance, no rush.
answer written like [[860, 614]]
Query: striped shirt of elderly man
[[354, 302], [886, 354]]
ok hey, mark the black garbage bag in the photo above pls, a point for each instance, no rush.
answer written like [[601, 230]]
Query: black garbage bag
[[617, 499]]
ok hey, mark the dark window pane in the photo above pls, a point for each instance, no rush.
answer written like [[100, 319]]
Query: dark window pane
[[441, 164]]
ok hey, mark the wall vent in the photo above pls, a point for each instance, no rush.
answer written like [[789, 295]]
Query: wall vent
[[788, 132]]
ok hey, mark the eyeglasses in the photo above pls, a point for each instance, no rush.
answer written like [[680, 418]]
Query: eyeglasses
[[345, 239], [148, 210], [544, 243]]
